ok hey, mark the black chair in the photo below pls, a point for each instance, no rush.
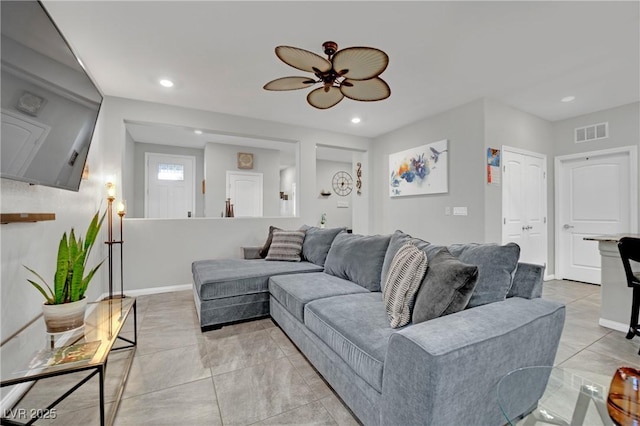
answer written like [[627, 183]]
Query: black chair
[[630, 250]]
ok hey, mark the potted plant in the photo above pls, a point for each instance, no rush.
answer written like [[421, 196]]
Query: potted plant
[[65, 304], [323, 220]]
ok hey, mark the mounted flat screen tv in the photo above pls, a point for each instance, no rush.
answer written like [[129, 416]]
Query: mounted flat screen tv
[[49, 103]]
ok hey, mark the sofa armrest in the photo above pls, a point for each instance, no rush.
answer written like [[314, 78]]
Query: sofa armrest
[[251, 252], [445, 371]]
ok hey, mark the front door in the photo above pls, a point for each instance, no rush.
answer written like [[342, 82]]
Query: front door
[[170, 186], [524, 203], [594, 193]]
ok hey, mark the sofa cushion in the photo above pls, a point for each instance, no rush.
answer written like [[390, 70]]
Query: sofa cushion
[[496, 267], [397, 240], [356, 327], [265, 248], [447, 287], [286, 246], [405, 276], [358, 258], [295, 291], [317, 242], [216, 278]]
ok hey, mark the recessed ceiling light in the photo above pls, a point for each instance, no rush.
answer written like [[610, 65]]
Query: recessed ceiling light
[[166, 83], [568, 99], [197, 132], [355, 120]]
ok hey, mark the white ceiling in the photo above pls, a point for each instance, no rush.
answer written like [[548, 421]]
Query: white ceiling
[[442, 54]]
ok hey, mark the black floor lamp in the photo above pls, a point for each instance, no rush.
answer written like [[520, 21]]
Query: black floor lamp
[[120, 211]]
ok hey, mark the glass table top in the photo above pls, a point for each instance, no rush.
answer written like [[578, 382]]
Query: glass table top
[[34, 353], [554, 395]]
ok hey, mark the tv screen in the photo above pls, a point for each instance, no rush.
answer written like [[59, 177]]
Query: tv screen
[[49, 103]]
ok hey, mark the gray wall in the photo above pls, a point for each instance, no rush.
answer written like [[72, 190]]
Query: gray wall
[[219, 158], [424, 216], [140, 149]]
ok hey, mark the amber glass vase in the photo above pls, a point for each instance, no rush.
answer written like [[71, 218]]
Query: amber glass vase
[[623, 401]]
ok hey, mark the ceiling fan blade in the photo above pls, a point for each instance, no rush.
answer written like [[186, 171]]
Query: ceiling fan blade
[[302, 59], [323, 100], [374, 89], [289, 83], [360, 63]]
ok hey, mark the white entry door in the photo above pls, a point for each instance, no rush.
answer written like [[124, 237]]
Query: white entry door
[[524, 203], [170, 186], [596, 194], [245, 191]]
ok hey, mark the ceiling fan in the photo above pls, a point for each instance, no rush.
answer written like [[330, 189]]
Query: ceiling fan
[[352, 72]]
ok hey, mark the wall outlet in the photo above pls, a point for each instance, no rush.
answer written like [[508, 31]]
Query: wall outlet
[[447, 211], [459, 211]]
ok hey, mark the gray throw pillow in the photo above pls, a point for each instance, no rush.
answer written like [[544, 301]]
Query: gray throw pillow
[[286, 246], [447, 287], [265, 248], [496, 267], [317, 243], [398, 239], [405, 276], [358, 258]]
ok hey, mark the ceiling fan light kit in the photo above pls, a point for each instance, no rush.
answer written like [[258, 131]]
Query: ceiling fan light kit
[[352, 72]]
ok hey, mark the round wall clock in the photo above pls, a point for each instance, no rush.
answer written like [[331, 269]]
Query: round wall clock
[[342, 183]]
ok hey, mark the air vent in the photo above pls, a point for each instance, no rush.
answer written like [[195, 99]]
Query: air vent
[[591, 133]]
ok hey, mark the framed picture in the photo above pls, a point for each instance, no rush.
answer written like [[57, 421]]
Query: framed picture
[[419, 171], [245, 160]]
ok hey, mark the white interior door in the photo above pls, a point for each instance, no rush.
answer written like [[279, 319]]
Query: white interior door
[[245, 191], [596, 195], [170, 186], [524, 203], [21, 139]]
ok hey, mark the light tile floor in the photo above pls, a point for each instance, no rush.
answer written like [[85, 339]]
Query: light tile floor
[[251, 373]]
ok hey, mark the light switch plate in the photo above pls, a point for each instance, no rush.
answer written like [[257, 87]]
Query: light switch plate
[[343, 204], [459, 211], [447, 211]]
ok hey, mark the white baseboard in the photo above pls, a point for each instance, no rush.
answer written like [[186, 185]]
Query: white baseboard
[[614, 325], [549, 277]]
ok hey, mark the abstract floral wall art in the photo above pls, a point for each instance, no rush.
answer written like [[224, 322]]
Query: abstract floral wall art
[[418, 171]]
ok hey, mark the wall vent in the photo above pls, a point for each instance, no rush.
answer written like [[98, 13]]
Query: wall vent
[[592, 132]]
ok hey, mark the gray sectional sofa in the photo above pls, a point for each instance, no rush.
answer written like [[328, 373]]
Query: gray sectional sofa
[[443, 371]]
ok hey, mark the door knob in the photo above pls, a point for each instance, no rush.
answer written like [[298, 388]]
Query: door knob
[[567, 226]]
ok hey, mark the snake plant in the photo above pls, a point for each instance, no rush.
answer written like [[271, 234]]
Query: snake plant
[[70, 281]]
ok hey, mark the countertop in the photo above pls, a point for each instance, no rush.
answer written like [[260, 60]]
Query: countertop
[[610, 238]]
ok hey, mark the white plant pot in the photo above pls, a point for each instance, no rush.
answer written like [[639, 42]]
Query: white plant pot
[[64, 317], [322, 225]]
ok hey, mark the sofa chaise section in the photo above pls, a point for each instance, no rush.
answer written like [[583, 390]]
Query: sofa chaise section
[[231, 290]]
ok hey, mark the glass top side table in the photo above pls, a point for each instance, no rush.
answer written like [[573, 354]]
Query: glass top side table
[[553, 395], [83, 349]]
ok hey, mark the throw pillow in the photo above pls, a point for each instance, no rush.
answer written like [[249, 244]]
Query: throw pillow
[[447, 287], [317, 243], [405, 275], [357, 258], [398, 239], [265, 249], [496, 267], [286, 245]]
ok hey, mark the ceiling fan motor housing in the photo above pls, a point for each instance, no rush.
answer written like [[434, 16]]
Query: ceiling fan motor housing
[[330, 48]]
